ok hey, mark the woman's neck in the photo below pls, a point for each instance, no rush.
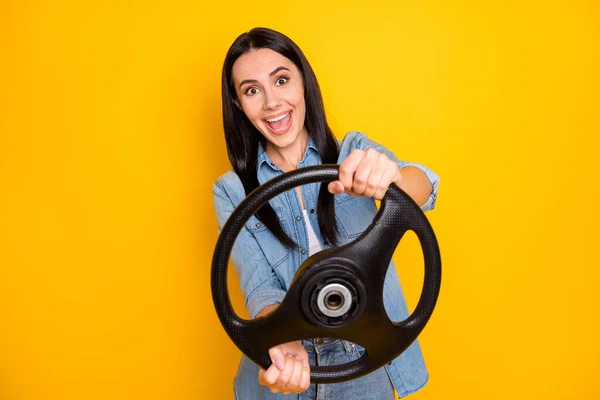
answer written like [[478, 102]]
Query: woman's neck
[[287, 158]]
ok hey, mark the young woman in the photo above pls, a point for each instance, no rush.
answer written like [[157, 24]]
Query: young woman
[[274, 122]]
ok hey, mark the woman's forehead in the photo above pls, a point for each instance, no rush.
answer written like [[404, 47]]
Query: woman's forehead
[[258, 64]]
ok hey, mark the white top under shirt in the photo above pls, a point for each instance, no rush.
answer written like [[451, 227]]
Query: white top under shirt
[[313, 243]]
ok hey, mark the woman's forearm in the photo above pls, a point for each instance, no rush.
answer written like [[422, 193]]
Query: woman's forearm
[[415, 183], [268, 309]]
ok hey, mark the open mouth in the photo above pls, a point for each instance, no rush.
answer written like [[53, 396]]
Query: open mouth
[[280, 124]]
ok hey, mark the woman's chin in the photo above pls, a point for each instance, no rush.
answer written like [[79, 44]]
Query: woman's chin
[[284, 139]]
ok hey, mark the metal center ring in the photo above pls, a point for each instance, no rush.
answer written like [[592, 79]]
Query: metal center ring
[[324, 298]]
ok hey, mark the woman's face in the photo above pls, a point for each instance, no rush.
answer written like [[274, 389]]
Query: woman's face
[[270, 91]]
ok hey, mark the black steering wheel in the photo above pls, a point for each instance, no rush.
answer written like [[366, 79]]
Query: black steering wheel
[[338, 292]]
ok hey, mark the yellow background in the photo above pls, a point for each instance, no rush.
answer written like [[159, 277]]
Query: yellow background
[[111, 138]]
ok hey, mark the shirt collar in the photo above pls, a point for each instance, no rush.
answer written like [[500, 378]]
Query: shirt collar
[[264, 158]]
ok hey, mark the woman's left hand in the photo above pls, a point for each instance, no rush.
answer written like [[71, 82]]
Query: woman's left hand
[[366, 173]]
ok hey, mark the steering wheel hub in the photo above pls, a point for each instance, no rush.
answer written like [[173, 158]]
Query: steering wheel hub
[[333, 297]]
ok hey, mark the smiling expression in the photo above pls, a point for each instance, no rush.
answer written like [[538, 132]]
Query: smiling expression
[[270, 91]]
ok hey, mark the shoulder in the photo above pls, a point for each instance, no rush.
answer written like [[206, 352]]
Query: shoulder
[[352, 138], [229, 186], [228, 180], [351, 141]]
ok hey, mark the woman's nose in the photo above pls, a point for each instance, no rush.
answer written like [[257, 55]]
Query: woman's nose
[[271, 100]]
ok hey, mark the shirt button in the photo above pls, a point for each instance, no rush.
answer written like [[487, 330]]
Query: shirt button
[[298, 218], [312, 210], [303, 251], [258, 225]]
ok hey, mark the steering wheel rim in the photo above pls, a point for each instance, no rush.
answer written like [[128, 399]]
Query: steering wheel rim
[[346, 261]]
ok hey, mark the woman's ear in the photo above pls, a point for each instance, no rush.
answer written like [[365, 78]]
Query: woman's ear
[[237, 103]]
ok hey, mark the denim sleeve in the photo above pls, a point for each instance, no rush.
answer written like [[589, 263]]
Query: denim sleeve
[[361, 141], [260, 286]]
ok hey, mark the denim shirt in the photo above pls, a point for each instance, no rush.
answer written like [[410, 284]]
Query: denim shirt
[[265, 267]]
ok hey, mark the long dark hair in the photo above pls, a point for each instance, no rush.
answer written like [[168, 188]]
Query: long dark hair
[[242, 138]]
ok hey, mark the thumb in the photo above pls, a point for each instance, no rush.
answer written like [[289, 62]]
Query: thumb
[[277, 358], [335, 187]]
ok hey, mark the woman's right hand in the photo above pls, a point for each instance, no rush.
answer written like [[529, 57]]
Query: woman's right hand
[[289, 371]]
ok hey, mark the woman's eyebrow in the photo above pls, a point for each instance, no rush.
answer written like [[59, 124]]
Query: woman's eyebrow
[[276, 70], [242, 83]]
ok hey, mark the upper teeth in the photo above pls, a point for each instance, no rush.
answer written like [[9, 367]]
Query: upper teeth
[[278, 118]]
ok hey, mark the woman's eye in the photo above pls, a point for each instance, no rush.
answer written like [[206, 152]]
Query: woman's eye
[[251, 91], [281, 81]]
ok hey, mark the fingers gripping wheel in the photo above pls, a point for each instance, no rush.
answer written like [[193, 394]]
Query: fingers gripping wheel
[[336, 292]]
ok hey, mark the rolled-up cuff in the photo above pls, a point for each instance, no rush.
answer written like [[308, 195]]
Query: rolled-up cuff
[[430, 203]]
